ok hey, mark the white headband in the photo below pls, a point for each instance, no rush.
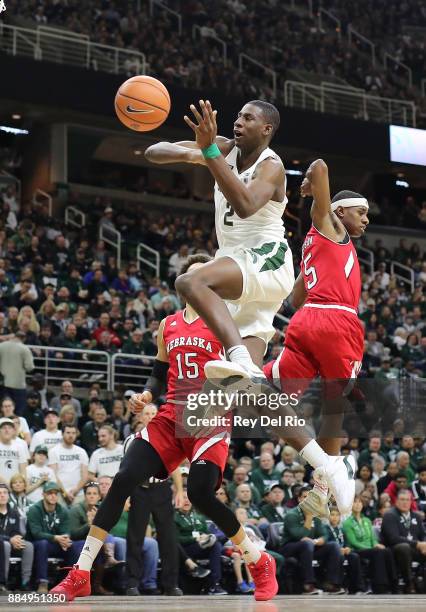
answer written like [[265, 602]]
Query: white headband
[[348, 202]]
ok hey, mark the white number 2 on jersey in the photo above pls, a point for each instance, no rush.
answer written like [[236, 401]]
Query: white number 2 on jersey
[[191, 368], [310, 272]]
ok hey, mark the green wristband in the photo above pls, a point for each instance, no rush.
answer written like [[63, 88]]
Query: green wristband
[[211, 151]]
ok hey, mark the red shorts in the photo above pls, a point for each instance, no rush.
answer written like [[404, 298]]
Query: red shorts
[[163, 435], [324, 342]]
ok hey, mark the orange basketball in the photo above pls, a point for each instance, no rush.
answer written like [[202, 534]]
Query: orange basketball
[[142, 103]]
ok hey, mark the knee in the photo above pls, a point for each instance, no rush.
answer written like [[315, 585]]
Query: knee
[[402, 549], [333, 548], [151, 546], [41, 545], [307, 546], [198, 495], [7, 548]]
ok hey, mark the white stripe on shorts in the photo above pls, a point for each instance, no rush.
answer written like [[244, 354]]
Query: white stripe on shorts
[[335, 306]]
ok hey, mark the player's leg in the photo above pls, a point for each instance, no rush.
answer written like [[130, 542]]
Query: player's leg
[[205, 289], [202, 482], [139, 463]]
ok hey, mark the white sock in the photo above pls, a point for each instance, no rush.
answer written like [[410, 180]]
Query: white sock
[[320, 485], [240, 354], [249, 550], [89, 553], [314, 454]]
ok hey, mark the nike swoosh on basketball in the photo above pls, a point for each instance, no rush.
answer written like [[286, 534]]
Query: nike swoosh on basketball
[[144, 111]]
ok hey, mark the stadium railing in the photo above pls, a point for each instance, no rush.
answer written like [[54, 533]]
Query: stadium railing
[[130, 370], [75, 217], [63, 47], [243, 57], [407, 275], [204, 33], [80, 366], [348, 101], [111, 236], [366, 257], [145, 254]]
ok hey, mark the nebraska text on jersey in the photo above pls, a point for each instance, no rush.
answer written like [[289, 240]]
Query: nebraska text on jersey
[[188, 341]]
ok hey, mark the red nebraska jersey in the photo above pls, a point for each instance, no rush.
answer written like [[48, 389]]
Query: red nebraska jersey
[[330, 271], [189, 346]]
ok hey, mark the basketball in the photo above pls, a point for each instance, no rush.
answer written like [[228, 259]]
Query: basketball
[[142, 103]]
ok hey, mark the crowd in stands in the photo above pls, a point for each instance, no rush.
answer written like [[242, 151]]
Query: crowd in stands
[[287, 40], [55, 471]]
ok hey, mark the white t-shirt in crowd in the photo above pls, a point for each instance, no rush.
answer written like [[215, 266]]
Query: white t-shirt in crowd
[[69, 462], [105, 462], [34, 473], [11, 455], [24, 447], [24, 425], [45, 438]]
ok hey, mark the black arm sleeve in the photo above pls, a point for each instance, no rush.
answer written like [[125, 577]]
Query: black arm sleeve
[[156, 383]]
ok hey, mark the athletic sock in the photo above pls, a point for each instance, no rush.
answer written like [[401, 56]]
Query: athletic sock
[[240, 354], [314, 454], [89, 553], [249, 550]]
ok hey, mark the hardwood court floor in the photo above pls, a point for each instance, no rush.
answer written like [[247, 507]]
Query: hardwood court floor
[[324, 603]]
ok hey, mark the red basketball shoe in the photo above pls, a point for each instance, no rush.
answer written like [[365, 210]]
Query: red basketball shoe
[[75, 584], [264, 576]]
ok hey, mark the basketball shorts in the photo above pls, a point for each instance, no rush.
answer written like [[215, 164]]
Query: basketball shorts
[[319, 342], [268, 278], [163, 435]]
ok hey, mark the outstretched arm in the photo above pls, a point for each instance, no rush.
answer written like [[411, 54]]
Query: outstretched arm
[[316, 184], [186, 151], [244, 200]]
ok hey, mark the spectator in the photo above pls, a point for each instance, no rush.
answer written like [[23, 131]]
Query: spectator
[[363, 479], [69, 463], [384, 481], [304, 537], [48, 529], [198, 543], [18, 497], [288, 459], [12, 459], [418, 489], [67, 392], [403, 531], [240, 476], [243, 499], [361, 538], [403, 462], [8, 411], [106, 459], [274, 510], [117, 419], [335, 533], [38, 473], [12, 540], [104, 326], [177, 260], [150, 556], [374, 448], [265, 475], [288, 484], [67, 416], [50, 435], [16, 361], [400, 482], [33, 413], [90, 431]]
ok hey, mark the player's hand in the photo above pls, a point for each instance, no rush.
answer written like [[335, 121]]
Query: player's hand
[[138, 401], [306, 188], [206, 128], [179, 500]]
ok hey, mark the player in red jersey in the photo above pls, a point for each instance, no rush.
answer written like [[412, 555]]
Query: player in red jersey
[[325, 336], [185, 344]]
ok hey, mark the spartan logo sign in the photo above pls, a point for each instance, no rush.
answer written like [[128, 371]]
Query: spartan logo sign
[[8, 464], [2, 6]]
